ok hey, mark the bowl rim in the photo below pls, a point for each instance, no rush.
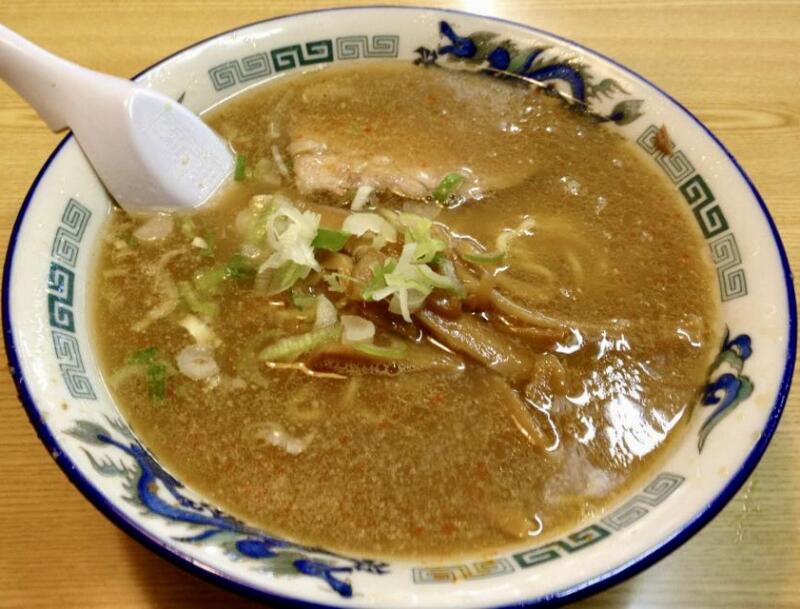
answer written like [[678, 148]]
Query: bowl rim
[[558, 597]]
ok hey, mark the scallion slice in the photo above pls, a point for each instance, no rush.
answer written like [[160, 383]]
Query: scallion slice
[[378, 279], [239, 267], [447, 187], [286, 276], [485, 257], [147, 361], [196, 303], [291, 347], [210, 280], [143, 356], [398, 351], [330, 240], [156, 381], [240, 169]]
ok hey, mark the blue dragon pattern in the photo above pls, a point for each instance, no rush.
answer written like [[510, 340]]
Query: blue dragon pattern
[[505, 58], [143, 478], [729, 389]]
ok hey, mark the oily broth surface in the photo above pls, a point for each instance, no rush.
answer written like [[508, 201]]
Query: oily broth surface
[[431, 464]]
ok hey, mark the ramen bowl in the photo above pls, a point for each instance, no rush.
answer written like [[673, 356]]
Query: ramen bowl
[[47, 325]]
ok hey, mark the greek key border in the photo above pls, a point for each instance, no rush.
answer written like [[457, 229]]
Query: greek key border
[[356, 47], [484, 569], [707, 212], [650, 497], [61, 297], [288, 57]]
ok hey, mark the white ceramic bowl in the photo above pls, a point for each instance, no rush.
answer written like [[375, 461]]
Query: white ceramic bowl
[[46, 325]]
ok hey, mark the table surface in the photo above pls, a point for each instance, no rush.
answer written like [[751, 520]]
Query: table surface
[[734, 64]]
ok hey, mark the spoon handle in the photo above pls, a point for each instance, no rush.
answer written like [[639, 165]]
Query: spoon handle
[[50, 84]]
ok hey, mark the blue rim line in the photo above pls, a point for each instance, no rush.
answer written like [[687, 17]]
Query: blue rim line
[[573, 593]]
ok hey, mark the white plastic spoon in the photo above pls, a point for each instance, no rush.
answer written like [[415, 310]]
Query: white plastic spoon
[[149, 151]]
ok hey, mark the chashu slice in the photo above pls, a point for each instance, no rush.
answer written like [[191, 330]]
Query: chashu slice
[[412, 129]]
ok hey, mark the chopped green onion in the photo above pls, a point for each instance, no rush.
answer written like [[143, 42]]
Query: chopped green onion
[[448, 269], [417, 229], [210, 280], [289, 232], [285, 276], [143, 356], [336, 281], [438, 281], [396, 352], [378, 280], [447, 187], [486, 257], [360, 223], [239, 267], [289, 348], [156, 381], [302, 301], [240, 170], [260, 208], [196, 303], [408, 283], [330, 240], [156, 372], [502, 243]]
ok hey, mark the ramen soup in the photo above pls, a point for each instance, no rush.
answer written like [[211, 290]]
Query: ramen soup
[[435, 313]]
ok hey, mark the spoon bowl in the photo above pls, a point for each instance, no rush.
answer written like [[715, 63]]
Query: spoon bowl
[[149, 151]]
